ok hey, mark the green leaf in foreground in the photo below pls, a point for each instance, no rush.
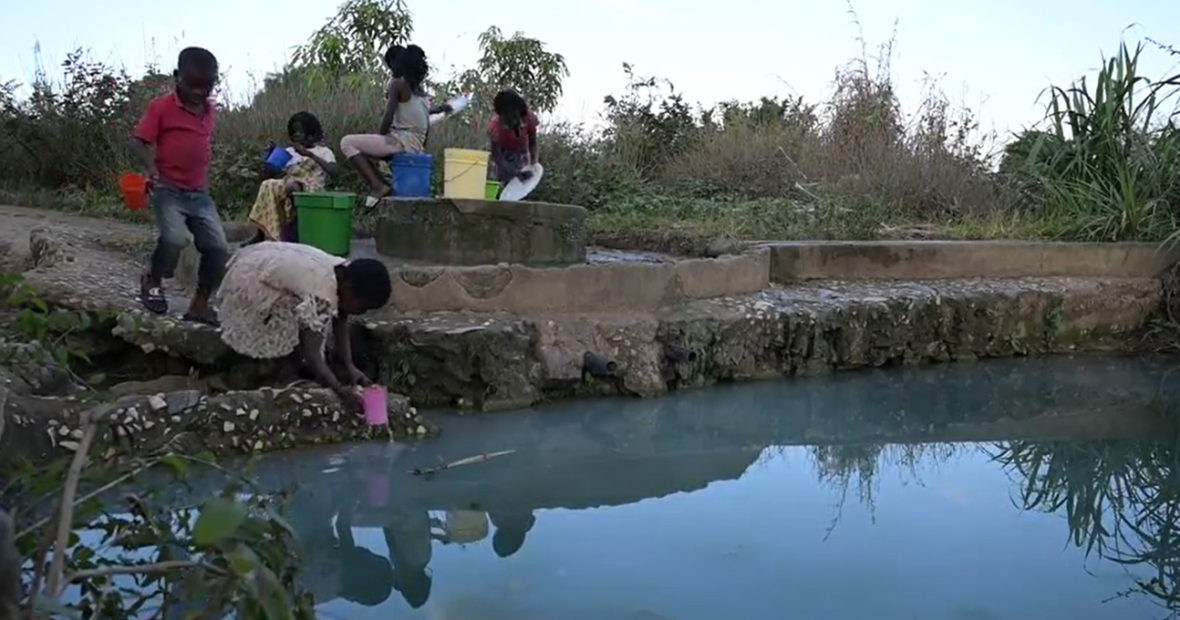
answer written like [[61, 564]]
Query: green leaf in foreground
[[219, 519], [178, 465]]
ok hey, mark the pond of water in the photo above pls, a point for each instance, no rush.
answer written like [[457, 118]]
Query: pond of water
[[959, 491]]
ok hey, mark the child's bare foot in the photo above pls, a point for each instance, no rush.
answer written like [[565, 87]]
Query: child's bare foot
[[208, 317], [199, 311]]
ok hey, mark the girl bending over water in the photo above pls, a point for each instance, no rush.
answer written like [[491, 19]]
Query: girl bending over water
[[282, 300]]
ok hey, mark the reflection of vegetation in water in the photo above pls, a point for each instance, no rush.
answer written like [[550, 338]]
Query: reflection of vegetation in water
[[83, 559], [842, 466], [1121, 499]]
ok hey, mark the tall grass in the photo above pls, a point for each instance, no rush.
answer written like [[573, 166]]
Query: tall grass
[[851, 166], [1107, 166]]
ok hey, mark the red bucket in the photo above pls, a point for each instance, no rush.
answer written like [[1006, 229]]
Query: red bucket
[[134, 188]]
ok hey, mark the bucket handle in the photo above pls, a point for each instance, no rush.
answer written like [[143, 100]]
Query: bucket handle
[[465, 170]]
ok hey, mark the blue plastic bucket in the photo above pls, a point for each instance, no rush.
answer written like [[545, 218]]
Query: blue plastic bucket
[[278, 159], [411, 175]]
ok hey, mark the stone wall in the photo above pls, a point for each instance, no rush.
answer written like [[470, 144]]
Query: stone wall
[[496, 361], [501, 362], [39, 428], [608, 287]]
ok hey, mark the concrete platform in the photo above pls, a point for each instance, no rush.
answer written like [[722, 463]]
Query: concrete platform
[[481, 232], [613, 283], [652, 281], [794, 261]]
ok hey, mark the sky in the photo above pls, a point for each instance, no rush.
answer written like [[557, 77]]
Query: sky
[[995, 56]]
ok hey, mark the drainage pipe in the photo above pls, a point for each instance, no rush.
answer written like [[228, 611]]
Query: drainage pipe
[[677, 354], [598, 365]]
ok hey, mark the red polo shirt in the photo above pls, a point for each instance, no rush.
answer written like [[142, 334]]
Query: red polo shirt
[[183, 141]]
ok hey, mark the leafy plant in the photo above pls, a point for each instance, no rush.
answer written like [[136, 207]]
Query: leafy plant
[[1108, 164], [517, 62], [650, 124], [229, 556], [355, 39], [524, 64], [72, 133], [36, 322]]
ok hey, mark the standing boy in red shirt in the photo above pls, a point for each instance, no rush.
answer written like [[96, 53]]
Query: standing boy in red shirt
[[174, 143]]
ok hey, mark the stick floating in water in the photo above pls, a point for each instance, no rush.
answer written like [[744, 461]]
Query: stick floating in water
[[479, 458]]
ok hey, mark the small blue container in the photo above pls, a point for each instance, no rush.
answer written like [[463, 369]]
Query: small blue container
[[411, 175], [278, 159]]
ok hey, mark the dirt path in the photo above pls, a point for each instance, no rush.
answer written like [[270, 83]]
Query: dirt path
[[18, 223], [86, 258]]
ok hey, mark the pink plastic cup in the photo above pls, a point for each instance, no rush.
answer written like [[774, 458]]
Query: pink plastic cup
[[375, 400]]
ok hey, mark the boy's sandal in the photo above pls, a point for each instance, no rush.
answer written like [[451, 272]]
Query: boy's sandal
[[153, 299]]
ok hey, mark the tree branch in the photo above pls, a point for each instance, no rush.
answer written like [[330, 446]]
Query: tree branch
[[3, 406], [140, 569], [65, 518], [93, 494]]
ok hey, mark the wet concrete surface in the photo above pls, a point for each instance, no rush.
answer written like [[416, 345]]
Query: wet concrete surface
[[367, 248]]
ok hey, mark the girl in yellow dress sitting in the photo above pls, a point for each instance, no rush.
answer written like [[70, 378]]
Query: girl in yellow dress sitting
[[311, 168]]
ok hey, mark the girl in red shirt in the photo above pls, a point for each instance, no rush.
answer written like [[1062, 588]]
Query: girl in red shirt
[[513, 136]]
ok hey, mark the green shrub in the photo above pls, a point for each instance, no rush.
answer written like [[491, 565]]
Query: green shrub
[[1108, 163]]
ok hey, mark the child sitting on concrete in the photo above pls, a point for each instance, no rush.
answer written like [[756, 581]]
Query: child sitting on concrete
[[311, 167]]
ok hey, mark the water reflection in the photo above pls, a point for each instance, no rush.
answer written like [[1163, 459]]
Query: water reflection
[[1121, 500], [334, 565], [1073, 433], [511, 529], [407, 534]]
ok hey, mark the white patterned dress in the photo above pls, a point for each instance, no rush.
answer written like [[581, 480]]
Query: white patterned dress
[[272, 291]]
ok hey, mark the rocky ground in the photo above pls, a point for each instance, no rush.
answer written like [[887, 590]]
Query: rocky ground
[[154, 398], [494, 361]]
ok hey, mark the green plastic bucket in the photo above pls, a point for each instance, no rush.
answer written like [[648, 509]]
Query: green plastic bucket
[[325, 220], [491, 190]]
